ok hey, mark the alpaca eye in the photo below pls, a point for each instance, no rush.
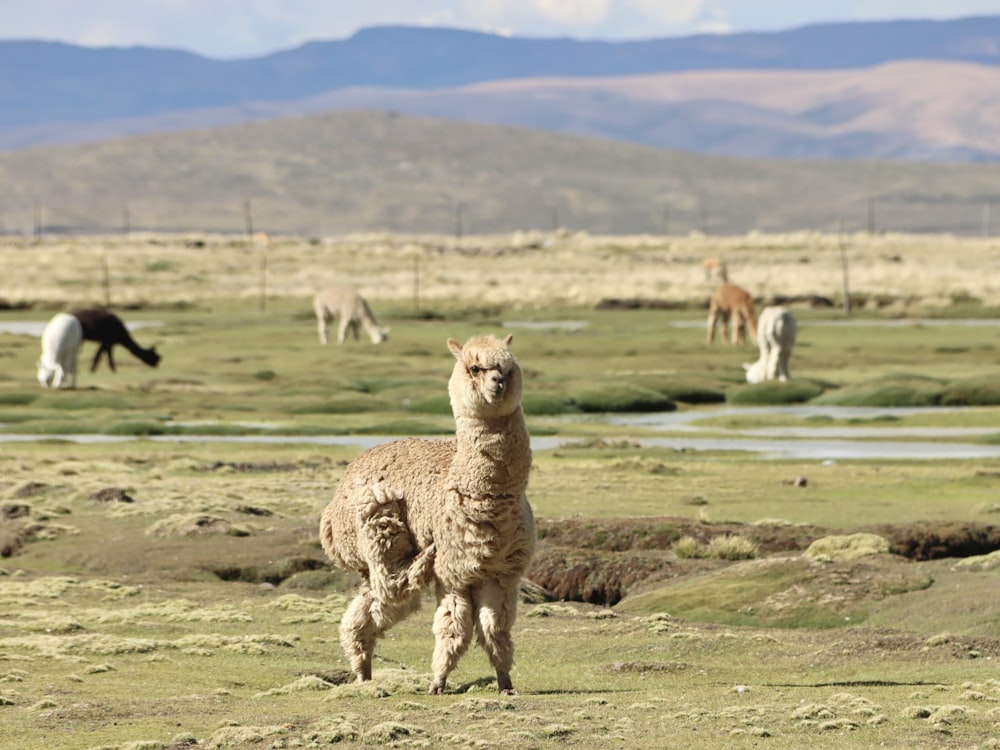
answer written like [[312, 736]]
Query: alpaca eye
[[475, 369]]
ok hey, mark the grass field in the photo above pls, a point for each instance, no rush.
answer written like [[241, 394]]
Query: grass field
[[169, 591]]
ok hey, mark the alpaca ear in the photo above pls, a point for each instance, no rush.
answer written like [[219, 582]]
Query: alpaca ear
[[508, 338], [456, 349]]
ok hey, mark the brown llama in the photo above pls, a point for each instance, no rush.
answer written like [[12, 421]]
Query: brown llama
[[106, 328]]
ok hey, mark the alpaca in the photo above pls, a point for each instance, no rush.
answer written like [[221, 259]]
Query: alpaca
[[776, 333], [715, 269], [344, 303], [60, 351], [448, 511], [732, 306], [107, 329]]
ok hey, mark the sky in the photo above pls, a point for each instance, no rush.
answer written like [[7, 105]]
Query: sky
[[229, 29]]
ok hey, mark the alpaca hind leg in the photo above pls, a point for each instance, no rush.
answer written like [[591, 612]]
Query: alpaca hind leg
[[496, 610], [784, 355], [452, 636], [365, 621], [738, 329]]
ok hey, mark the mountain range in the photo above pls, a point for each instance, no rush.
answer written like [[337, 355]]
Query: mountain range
[[902, 90]]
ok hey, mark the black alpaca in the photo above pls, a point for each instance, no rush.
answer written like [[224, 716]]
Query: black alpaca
[[106, 328]]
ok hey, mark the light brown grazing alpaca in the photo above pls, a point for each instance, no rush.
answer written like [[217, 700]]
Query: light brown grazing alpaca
[[731, 306], [345, 305], [715, 269], [448, 511]]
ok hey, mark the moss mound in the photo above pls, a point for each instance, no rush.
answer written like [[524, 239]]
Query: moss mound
[[613, 397], [894, 390], [775, 392]]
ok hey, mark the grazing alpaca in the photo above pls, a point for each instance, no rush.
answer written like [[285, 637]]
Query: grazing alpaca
[[107, 329], [344, 303], [451, 511], [60, 350], [776, 333], [715, 269], [731, 306]]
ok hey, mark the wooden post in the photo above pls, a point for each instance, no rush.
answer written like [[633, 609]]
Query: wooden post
[[106, 280], [416, 283], [248, 219], [263, 279], [843, 267], [38, 221]]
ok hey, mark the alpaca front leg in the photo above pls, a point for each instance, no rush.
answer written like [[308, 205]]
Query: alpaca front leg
[[452, 636], [496, 610]]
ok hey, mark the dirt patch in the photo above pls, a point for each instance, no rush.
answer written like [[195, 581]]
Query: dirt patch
[[600, 561], [111, 495], [928, 540], [249, 467]]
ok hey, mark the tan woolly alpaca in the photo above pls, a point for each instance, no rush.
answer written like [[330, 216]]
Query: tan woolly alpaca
[[731, 306], [715, 269], [448, 511], [344, 304]]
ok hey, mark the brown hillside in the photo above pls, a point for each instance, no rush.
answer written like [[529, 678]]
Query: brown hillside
[[356, 171]]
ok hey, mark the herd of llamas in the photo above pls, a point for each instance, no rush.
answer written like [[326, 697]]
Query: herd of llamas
[[447, 513]]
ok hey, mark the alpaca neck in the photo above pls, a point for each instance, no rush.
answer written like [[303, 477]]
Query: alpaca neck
[[493, 456], [372, 329], [144, 354]]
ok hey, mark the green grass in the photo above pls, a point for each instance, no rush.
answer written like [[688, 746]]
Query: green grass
[[204, 610]]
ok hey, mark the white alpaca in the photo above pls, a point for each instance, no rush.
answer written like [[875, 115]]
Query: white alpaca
[[60, 350], [343, 303], [451, 511], [776, 334]]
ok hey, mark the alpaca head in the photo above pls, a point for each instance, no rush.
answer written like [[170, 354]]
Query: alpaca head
[[755, 372], [378, 335], [486, 381], [151, 357], [45, 374]]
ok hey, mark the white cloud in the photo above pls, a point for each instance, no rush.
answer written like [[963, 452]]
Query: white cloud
[[573, 12], [235, 28]]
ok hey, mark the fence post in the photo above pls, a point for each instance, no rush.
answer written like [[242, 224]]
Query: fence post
[[843, 268]]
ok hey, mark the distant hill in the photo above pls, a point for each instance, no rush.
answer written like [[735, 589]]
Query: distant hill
[[58, 93], [370, 171]]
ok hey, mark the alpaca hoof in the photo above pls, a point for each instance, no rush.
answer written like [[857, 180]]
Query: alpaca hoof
[[436, 689]]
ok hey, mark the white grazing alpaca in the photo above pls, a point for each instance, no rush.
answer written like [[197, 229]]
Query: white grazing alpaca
[[776, 334], [452, 511], [343, 303], [60, 350]]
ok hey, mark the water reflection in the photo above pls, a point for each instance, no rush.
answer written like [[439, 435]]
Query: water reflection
[[789, 448]]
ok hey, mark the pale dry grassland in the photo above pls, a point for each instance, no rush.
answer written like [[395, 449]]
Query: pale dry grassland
[[523, 270]]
